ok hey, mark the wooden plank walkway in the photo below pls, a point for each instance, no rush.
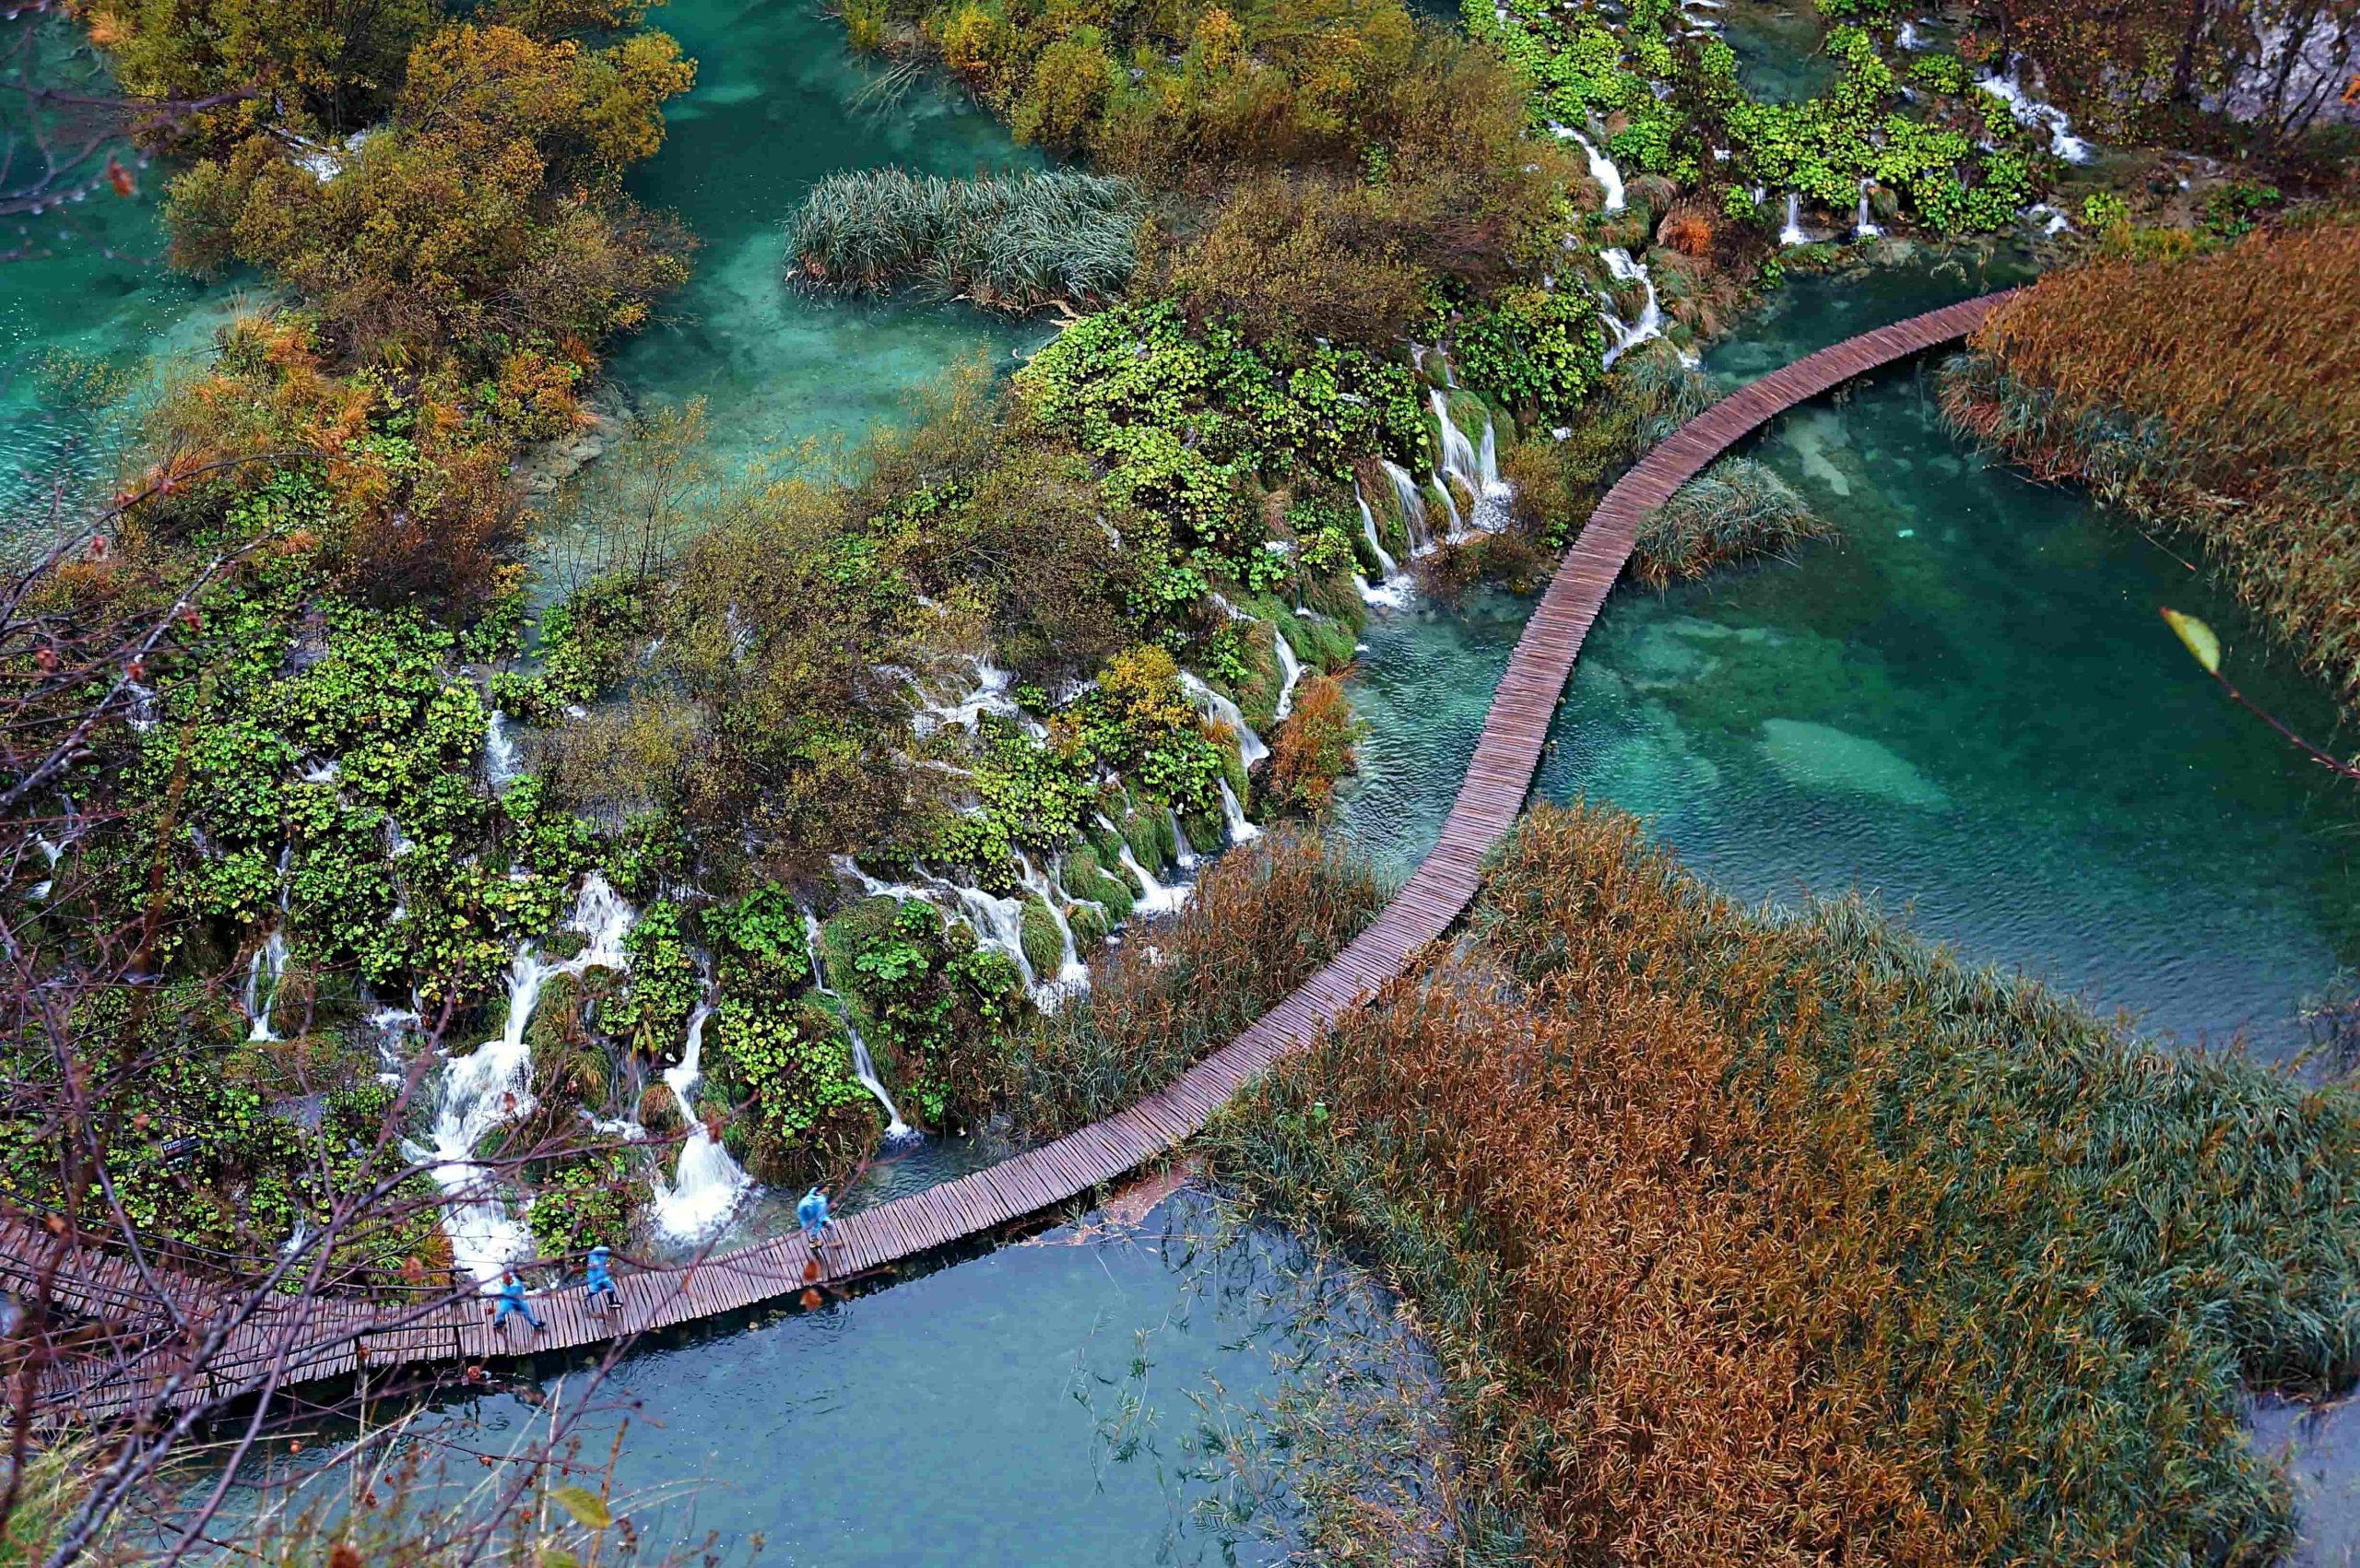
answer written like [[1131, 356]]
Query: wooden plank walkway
[[331, 1337]]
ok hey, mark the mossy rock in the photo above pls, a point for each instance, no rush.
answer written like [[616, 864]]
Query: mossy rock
[[1434, 368], [659, 1111], [1206, 829], [1145, 837], [556, 1019], [563, 944], [1469, 413], [1086, 878], [1232, 768], [1324, 644], [1089, 928], [1044, 948], [1338, 597]]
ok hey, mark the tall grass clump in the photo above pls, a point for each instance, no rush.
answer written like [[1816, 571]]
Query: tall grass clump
[[1260, 923], [1007, 241], [1736, 510], [2217, 393], [1746, 1239]]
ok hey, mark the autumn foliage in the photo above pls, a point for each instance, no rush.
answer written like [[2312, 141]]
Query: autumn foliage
[[2219, 395], [1750, 1241]]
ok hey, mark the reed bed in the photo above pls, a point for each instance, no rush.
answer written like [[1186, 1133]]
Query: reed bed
[[1746, 1239], [1736, 510], [2218, 395], [1260, 923], [1009, 243]]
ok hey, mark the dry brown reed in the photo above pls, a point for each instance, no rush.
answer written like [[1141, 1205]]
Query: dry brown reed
[[1756, 1241], [2218, 393]]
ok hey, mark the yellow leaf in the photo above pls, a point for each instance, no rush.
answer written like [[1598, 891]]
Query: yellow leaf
[[557, 1557], [589, 1510], [2197, 637]]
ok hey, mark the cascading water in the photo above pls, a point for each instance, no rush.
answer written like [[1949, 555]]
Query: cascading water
[[2030, 110], [1601, 167], [1250, 748], [1155, 897], [270, 958], [481, 1092], [1863, 228], [989, 695], [1290, 667], [1234, 815], [1792, 234], [1624, 268], [706, 1183], [1388, 590], [864, 1067], [1413, 506], [500, 765], [1476, 472], [1183, 851], [1073, 976]]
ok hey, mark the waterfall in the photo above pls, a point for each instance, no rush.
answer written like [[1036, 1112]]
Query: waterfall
[[864, 1067], [1072, 975], [1621, 267], [1386, 590], [1413, 506], [989, 695], [1906, 36], [500, 763], [270, 957], [1601, 167], [2030, 110], [1792, 234], [1862, 229], [1183, 851], [1478, 472], [481, 1092], [706, 1184], [1289, 669], [1250, 748], [1155, 897], [998, 923], [1234, 814]]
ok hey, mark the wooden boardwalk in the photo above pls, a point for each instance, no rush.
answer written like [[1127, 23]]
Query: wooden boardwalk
[[332, 1338]]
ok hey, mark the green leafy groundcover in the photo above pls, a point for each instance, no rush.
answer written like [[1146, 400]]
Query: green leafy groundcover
[[1957, 163]]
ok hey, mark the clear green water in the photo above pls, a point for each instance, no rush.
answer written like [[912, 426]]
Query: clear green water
[[779, 103], [1970, 708], [90, 286], [1778, 50], [1045, 1404]]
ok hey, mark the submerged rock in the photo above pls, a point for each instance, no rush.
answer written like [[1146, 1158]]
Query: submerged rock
[[1821, 757]]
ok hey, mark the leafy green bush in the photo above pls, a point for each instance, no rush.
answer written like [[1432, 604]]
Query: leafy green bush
[[1532, 349]]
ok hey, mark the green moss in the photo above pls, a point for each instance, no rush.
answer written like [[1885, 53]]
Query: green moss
[[1206, 831], [1088, 877], [1089, 928], [1044, 947]]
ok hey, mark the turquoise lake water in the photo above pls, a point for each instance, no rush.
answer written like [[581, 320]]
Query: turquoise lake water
[[1969, 707]]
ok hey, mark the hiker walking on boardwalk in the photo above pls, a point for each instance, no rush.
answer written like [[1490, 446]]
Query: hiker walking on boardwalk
[[812, 1212], [512, 1302], [600, 1282]]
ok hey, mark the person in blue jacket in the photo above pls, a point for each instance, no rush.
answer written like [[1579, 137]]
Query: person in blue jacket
[[599, 1281], [512, 1303], [812, 1212]]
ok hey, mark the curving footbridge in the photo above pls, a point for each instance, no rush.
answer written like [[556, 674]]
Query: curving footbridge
[[308, 1338]]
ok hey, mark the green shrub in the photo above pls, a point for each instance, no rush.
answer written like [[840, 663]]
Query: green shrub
[[1009, 242]]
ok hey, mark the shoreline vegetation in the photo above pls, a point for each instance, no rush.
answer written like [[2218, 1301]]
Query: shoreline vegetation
[[2213, 394], [1747, 1238]]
